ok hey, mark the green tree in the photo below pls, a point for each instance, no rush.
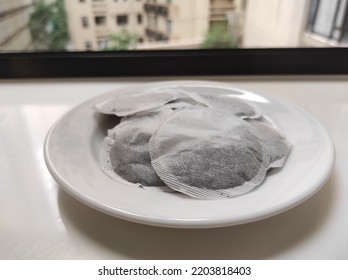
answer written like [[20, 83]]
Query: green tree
[[122, 41], [219, 37], [48, 26]]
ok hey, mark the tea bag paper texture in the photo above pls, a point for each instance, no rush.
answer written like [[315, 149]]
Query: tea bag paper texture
[[126, 153], [105, 162], [207, 154], [225, 102], [124, 105], [184, 101], [278, 147]]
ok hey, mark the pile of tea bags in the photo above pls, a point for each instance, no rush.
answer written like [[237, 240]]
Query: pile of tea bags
[[208, 146]]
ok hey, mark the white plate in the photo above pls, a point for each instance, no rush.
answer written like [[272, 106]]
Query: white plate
[[72, 149]]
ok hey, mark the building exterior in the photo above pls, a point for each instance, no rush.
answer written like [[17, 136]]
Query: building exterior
[[14, 25], [173, 24], [176, 20], [157, 23], [92, 21], [185, 23], [219, 9], [297, 23]]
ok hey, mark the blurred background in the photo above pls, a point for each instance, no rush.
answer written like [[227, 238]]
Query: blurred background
[[111, 25]]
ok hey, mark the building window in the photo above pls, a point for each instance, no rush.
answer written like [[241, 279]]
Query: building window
[[100, 20], [329, 19], [152, 22], [102, 44], [140, 18], [169, 26], [88, 46], [122, 19], [84, 22], [156, 21]]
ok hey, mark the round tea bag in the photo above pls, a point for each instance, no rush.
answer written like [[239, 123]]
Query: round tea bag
[[221, 100], [125, 151], [136, 102], [208, 155], [183, 101], [277, 146]]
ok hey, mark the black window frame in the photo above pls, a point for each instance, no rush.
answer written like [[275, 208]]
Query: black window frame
[[302, 61]]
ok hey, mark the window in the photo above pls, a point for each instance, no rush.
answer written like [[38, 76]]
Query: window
[[102, 44], [156, 21], [169, 26], [100, 20], [84, 22], [328, 18], [122, 19], [180, 25], [88, 46], [140, 18], [152, 21]]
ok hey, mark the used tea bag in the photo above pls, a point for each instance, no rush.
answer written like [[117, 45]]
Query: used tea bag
[[124, 105], [233, 105], [207, 154], [276, 143], [184, 101], [125, 151], [149, 100], [226, 103]]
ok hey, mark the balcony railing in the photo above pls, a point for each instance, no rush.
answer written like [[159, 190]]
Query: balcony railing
[[99, 6], [156, 35], [223, 5], [221, 10], [220, 17], [102, 31], [220, 13], [156, 9]]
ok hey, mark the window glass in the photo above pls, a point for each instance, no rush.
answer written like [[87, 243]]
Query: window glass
[[122, 19], [104, 25], [325, 17]]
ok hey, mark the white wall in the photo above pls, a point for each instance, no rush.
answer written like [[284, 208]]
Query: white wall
[[190, 19], [275, 23]]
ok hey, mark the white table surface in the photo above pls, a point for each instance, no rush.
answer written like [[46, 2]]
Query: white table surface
[[40, 221]]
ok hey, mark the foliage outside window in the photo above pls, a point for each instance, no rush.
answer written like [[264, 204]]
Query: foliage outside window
[[219, 37], [122, 41], [48, 26]]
